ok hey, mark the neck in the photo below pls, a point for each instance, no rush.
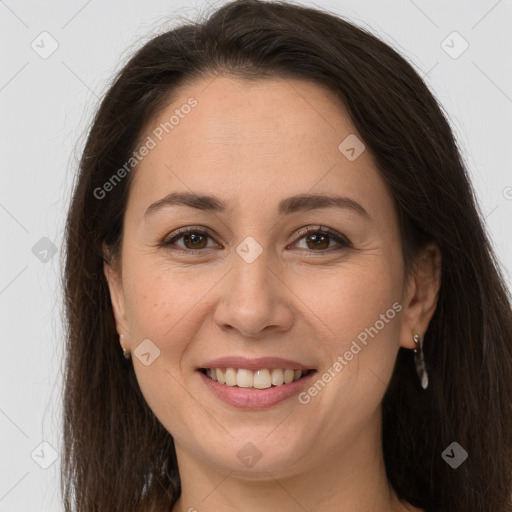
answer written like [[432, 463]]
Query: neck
[[352, 479]]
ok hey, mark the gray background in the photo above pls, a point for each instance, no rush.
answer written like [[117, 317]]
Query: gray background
[[46, 105]]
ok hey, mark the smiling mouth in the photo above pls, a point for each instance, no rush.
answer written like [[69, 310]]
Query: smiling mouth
[[259, 379]]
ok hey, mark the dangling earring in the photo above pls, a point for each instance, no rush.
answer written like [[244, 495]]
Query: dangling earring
[[419, 359], [126, 354]]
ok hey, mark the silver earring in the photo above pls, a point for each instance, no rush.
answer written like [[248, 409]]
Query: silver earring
[[419, 359], [126, 354]]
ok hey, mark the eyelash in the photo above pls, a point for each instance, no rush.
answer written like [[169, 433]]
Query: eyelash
[[337, 237]]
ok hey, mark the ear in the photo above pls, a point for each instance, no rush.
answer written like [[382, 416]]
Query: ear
[[112, 272], [421, 295]]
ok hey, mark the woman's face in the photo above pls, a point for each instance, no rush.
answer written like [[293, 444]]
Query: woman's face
[[251, 283]]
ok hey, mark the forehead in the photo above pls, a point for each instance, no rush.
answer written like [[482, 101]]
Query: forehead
[[252, 140], [272, 115]]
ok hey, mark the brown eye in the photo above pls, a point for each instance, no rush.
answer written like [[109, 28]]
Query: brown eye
[[318, 239], [196, 240], [193, 240]]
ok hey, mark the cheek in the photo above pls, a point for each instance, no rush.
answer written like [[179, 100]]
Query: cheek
[[359, 312], [164, 309], [168, 306], [353, 298], [159, 303]]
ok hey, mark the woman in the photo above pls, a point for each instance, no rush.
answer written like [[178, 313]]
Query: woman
[[279, 290]]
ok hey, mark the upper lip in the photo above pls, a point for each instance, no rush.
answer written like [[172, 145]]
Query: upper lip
[[255, 364]]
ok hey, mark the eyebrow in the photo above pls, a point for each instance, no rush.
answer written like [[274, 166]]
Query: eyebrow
[[297, 203]]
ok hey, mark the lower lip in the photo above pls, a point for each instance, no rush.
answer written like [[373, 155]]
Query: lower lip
[[251, 398]]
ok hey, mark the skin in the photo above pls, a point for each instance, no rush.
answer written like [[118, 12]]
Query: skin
[[252, 144]]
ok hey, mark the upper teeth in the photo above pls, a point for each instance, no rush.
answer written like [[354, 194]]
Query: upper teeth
[[260, 379]]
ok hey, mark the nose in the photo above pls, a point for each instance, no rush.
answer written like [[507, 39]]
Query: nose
[[254, 299]]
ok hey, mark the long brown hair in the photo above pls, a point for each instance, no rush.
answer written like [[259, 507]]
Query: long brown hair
[[117, 456]]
